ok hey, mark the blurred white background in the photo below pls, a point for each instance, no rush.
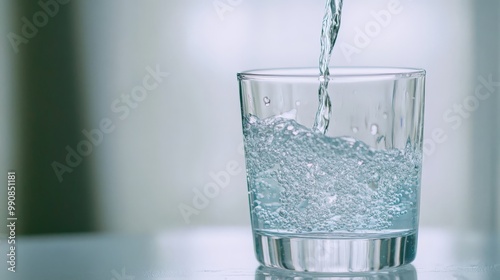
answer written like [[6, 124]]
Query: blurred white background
[[190, 126]]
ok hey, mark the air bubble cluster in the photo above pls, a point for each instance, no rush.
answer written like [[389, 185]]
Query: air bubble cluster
[[301, 181]]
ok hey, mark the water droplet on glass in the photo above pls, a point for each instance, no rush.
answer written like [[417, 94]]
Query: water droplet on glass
[[297, 103], [385, 116], [267, 101], [374, 129], [355, 129]]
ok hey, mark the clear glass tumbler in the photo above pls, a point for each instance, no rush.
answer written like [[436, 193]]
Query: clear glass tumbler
[[346, 200]]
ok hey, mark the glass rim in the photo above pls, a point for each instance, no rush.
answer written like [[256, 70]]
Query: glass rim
[[344, 72]]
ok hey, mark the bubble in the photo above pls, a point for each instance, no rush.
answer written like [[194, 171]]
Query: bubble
[[282, 212], [355, 129], [385, 116], [252, 119], [297, 103], [267, 101], [374, 129], [331, 199]]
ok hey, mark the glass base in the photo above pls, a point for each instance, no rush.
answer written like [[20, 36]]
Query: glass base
[[335, 255]]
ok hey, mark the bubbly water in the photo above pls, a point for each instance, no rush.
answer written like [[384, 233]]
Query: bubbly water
[[329, 32], [305, 182]]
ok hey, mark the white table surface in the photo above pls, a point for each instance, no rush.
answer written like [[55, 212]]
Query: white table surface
[[224, 253]]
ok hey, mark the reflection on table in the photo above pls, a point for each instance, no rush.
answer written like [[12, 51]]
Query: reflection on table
[[227, 253]]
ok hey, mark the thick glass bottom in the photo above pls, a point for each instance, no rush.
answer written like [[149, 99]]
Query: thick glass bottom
[[335, 255]]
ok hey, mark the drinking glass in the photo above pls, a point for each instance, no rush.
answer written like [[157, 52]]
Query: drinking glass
[[342, 201]]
